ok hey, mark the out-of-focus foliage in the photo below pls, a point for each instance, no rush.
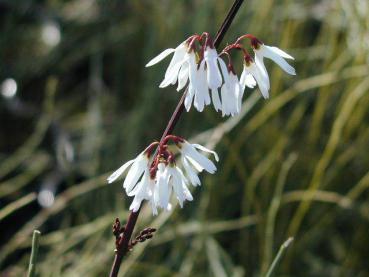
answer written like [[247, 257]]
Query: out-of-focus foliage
[[76, 102]]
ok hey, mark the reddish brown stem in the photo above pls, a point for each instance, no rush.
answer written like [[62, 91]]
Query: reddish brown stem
[[132, 219]]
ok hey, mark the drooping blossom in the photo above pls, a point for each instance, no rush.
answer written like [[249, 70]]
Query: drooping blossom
[[196, 62], [271, 52], [197, 68], [251, 72], [231, 92], [156, 176]]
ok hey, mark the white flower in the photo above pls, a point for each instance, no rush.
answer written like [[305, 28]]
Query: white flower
[[199, 88], [142, 191], [193, 161], [179, 183], [202, 76], [252, 70], [179, 67], [162, 189], [231, 92], [155, 181], [213, 76], [137, 182], [274, 53], [138, 166]]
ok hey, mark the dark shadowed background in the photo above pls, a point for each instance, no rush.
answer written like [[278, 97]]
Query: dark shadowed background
[[76, 102]]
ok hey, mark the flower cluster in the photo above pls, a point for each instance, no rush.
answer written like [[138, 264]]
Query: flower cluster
[[196, 62], [155, 173]]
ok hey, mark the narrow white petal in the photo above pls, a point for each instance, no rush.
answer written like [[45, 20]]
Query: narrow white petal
[[200, 88], [214, 77], [189, 97], [179, 55], [187, 193], [260, 78], [135, 173], [195, 164], [141, 187], [172, 76], [204, 85], [153, 207], [203, 161], [259, 61], [223, 93], [281, 62], [213, 74], [160, 57], [239, 94], [216, 100], [119, 171], [203, 148], [163, 188], [278, 51], [224, 70], [234, 94], [198, 101], [177, 187], [250, 81], [191, 58], [191, 173], [182, 76], [136, 203]]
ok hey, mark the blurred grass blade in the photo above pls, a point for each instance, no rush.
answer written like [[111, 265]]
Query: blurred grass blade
[[34, 253], [282, 249]]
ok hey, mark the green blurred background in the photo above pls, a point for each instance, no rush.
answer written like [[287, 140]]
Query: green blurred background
[[76, 102]]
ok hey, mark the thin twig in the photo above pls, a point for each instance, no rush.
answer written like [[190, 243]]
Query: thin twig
[[131, 222]]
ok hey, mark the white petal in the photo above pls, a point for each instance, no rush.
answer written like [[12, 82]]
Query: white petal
[[239, 94], [160, 57], [140, 188], [187, 193], [224, 70], [195, 164], [281, 62], [163, 188], [141, 192], [179, 55], [177, 187], [233, 94], [223, 93], [200, 88], [172, 76], [189, 97], [191, 173], [216, 100], [203, 86], [153, 207], [260, 79], [214, 77], [135, 173], [191, 58], [261, 69], [203, 148], [246, 79], [203, 161], [136, 203], [182, 76], [250, 81], [119, 171], [278, 51]]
